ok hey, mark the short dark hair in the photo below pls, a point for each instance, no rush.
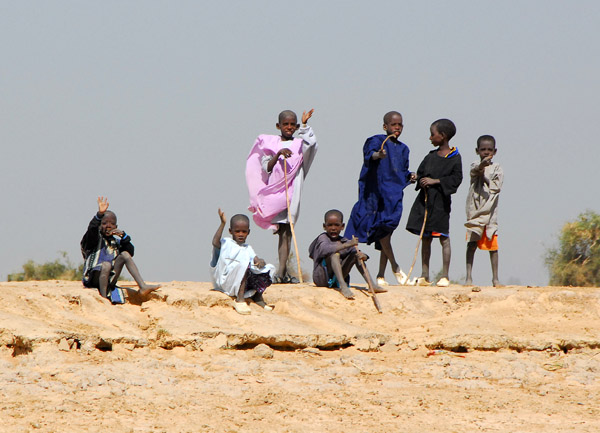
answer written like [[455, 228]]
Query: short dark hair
[[386, 117], [446, 127], [486, 138], [109, 212], [334, 212], [286, 113], [239, 217]]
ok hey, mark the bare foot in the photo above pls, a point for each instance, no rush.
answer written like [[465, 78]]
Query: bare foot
[[468, 282], [346, 292], [147, 289], [378, 289]]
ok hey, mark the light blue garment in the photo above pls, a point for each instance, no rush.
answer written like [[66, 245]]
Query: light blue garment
[[229, 264]]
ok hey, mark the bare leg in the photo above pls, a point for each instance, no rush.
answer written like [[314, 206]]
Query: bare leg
[[240, 293], [125, 259], [425, 256], [382, 265], [494, 260], [240, 302], [103, 278], [471, 248], [283, 248], [336, 265], [446, 252], [386, 247]]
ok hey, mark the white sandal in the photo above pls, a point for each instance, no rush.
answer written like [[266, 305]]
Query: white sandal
[[242, 307]]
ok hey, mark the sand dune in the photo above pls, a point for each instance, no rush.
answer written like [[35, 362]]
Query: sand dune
[[453, 359]]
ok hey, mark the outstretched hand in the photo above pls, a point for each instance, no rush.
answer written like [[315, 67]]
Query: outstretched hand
[[102, 205], [306, 116], [222, 217]]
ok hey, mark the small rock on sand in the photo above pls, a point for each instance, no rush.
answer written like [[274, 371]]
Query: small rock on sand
[[263, 351]]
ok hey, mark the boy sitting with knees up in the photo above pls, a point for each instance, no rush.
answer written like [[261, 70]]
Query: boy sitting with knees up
[[235, 268], [334, 256], [106, 249]]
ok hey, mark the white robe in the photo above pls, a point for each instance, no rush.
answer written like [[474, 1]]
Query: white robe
[[229, 264]]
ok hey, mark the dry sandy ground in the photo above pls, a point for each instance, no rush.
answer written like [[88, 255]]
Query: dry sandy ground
[[513, 359]]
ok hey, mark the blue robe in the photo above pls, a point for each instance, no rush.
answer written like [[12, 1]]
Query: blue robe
[[381, 185]]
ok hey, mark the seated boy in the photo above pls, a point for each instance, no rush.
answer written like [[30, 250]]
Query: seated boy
[[235, 268], [334, 256], [106, 249]]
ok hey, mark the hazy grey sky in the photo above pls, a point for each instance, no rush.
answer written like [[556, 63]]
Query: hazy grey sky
[[156, 105]]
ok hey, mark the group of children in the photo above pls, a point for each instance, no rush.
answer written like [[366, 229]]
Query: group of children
[[275, 172]]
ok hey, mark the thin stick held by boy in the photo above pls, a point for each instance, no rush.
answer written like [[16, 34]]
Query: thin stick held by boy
[[235, 268], [334, 257], [266, 180], [482, 206], [438, 177], [106, 249]]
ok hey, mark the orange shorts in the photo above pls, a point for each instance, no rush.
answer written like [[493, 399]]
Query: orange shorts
[[486, 244]]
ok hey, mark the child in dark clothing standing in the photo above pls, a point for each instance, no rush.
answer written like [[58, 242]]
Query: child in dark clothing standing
[[438, 177]]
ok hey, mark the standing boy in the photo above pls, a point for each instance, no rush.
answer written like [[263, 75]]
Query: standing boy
[[235, 268], [106, 249], [482, 206], [275, 171], [438, 177], [383, 177], [334, 256]]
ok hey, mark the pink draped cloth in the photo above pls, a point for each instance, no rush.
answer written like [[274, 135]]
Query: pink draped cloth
[[267, 190]]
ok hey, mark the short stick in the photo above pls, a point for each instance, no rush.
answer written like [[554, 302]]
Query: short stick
[[369, 283]]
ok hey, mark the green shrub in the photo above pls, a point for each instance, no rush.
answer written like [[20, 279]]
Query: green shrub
[[576, 262], [59, 269]]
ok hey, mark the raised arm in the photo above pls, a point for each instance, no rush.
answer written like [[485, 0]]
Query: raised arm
[[216, 242]]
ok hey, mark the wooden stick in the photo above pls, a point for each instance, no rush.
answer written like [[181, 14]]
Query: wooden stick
[[386, 139], [287, 201], [369, 282], [420, 238]]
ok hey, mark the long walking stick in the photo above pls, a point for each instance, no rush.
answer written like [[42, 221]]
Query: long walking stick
[[420, 238], [369, 282], [287, 201]]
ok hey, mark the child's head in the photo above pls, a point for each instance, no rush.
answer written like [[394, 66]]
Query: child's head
[[392, 123], [287, 124], [239, 228], [486, 146], [442, 131], [334, 223], [108, 223]]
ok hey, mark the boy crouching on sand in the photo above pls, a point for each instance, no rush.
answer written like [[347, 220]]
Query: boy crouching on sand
[[106, 249], [334, 256], [235, 268]]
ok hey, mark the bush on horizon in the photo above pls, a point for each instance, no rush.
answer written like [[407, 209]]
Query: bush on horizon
[[59, 269], [576, 261]]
